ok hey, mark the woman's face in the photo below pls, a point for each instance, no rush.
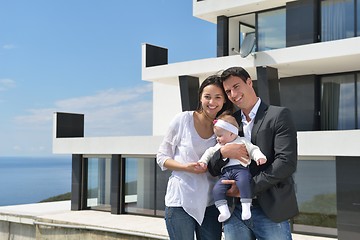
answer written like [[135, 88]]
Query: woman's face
[[212, 100]]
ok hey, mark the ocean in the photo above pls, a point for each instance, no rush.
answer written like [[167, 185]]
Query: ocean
[[32, 179]]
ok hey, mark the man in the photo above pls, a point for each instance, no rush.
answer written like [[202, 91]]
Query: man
[[273, 130]]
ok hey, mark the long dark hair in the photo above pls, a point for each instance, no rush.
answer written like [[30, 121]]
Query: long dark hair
[[214, 80]]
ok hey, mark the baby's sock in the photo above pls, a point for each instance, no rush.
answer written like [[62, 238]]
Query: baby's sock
[[224, 213], [246, 213]]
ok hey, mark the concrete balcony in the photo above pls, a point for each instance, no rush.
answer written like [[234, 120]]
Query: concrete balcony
[[55, 221]]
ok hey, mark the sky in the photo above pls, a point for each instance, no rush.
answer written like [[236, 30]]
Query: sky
[[84, 56]]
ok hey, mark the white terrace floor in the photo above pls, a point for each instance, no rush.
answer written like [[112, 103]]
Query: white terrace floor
[[59, 213]]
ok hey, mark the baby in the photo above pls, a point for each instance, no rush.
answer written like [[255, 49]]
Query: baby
[[226, 130]]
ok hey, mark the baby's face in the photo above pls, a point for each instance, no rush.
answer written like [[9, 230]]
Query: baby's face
[[223, 136]]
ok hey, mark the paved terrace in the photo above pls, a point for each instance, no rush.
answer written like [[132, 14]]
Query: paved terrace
[[55, 220]]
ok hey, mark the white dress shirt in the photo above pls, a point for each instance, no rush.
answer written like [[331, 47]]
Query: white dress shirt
[[247, 126]]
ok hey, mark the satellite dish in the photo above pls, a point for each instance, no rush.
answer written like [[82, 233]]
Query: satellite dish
[[247, 45]]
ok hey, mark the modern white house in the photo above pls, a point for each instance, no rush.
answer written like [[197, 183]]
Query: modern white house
[[302, 54]]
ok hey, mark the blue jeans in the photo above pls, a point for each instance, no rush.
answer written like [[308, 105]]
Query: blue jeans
[[259, 226], [181, 225]]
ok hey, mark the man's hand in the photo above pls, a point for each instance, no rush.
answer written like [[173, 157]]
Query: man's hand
[[235, 151], [233, 191]]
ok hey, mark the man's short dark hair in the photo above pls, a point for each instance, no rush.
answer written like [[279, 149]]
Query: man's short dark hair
[[234, 71]]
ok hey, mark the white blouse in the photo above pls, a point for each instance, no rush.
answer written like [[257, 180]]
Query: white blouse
[[183, 144]]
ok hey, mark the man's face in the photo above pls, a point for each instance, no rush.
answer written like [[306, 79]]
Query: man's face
[[239, 92]]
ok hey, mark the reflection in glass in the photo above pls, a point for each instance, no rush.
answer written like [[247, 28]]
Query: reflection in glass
[[338, 102], [162, 178], [145, 186], [272, 30], [316, 194], [337, 19], [139, 186], [358, 101], [99, 183], [246, 30], [358, 17]]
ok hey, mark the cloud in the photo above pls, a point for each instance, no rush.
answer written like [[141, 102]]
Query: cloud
[[8, 46], [112, 112], [16, 148], [6, 83], [105, 98]]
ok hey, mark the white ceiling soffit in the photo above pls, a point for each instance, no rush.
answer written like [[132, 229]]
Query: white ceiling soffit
[[317, 58], [209, 10]]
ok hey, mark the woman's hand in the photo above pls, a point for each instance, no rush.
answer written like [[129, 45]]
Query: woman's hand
[[235, 151], [233, 191], [196, 167]]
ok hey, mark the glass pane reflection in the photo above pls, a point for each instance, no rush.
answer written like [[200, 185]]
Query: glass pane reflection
[[272, 30], [316, 193], [338, 102], [337, 19], [145, 186], [358, 101], [139, 185], [99, 183]]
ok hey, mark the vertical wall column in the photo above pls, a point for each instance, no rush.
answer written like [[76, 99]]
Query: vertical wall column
[[117, 194], [155, 55], [78, 183], [305, 31], [268, 85], [189, 87], [70, 125], [222, 36], [348, 197], [305, 106], [76, 180]]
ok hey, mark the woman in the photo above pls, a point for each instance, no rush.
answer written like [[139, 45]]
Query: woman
[[189, 204]]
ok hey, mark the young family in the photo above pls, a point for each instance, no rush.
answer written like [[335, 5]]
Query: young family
[[253, 150]]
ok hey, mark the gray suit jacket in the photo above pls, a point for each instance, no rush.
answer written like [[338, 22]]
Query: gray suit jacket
[[272, 183]]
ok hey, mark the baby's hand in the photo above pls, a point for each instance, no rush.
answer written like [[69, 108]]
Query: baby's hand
[[194, 167], [261, 161], [203, 165]]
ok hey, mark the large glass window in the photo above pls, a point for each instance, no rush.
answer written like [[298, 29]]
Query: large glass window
[[358, 17], [358, 100], [316, 194], [337, 19], [338, 102], [240, 29], [272, 30], [98, 185], [247, 39], [145, 186]]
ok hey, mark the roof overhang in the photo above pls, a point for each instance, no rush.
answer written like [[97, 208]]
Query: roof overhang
[[318, 58], [209, 10]]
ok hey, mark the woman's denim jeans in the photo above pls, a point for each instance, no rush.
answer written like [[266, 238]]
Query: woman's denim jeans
[[181, 225]]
